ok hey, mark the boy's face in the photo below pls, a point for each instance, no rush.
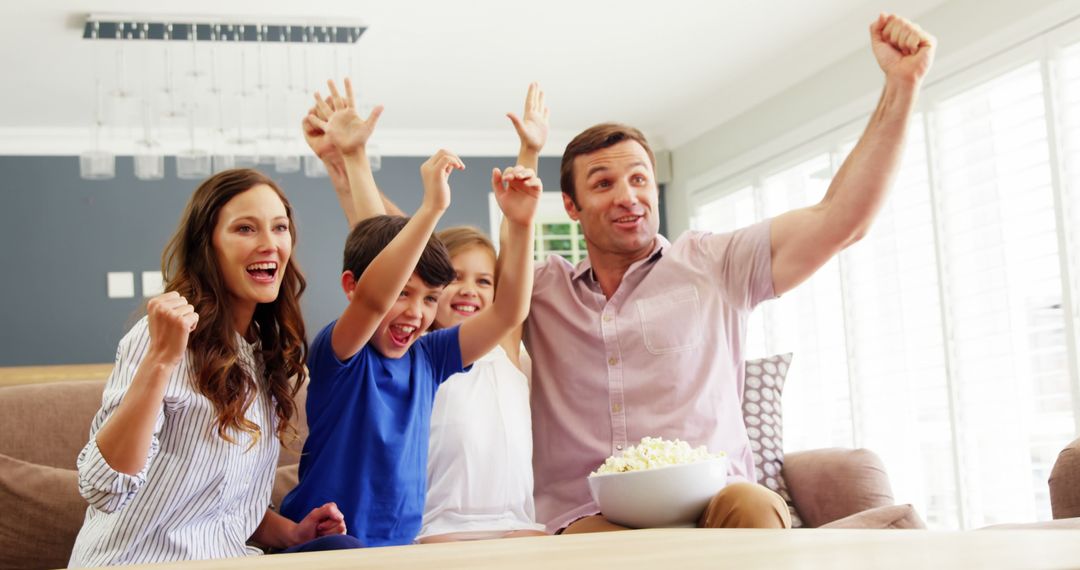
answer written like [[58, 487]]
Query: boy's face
[[410, 316]]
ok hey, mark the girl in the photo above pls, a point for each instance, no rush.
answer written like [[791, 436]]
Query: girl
[[480, 481], [181, 456]]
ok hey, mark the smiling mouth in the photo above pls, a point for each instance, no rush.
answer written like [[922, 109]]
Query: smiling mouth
[[464, 309], [627, 220], [400, 335], [263, 272]]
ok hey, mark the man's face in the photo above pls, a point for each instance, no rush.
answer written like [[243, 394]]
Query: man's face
[[616, 199]]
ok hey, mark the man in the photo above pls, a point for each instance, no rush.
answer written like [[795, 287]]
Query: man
[[645, 337]]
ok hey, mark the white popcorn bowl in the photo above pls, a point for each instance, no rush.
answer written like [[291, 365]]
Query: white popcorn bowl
[[671, 496]]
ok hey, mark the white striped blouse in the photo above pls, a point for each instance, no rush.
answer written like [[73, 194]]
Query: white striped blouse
[[198, 497]]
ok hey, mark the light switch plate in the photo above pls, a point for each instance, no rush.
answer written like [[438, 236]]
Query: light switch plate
[[152, 285], [121, 284]]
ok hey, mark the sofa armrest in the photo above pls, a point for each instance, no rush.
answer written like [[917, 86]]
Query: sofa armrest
[[830, 484], [1065, 483]]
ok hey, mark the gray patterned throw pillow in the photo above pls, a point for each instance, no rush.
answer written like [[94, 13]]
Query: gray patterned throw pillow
[[765, 422]]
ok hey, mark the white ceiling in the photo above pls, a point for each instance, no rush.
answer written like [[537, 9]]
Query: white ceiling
[[450, 70]]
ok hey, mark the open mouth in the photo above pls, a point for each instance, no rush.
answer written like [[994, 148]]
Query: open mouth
[[263, 272], [466, 309], [401, 335], [627, 222]]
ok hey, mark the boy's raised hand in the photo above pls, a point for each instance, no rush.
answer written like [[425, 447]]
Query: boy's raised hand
[[337, 117], [532, 128], [517, 189], [435, 173]]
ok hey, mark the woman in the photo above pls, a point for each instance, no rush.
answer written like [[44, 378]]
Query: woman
[[480, 482], [181, 458]]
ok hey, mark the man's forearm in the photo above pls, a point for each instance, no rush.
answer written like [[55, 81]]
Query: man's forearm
[[859, 188], [340, 180], [365, 194]]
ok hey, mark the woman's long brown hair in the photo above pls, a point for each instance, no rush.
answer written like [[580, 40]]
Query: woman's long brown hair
[[190, 267]]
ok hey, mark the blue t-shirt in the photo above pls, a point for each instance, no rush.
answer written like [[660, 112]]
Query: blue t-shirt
[[369, 420]]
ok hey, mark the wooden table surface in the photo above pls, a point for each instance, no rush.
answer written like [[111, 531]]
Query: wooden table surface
[[14, 375], [681, 549]]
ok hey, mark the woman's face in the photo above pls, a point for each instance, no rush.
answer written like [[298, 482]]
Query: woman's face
[[472, 290], [252, 244]]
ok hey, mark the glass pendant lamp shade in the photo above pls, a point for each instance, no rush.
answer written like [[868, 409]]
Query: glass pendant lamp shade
[[193, 164], [223, 162], [150, 166], [314, 168], [97, 165], [374, 157], [287, 163]]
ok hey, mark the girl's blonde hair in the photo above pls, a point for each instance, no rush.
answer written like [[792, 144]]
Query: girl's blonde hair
[[460, 238]]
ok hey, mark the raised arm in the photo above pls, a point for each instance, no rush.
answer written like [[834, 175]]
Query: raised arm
[[124, 441], [518, 192], [323, 146], [349, 134], [320, 144], [803, 240], [373, 293], [532, 127], [532, 131]]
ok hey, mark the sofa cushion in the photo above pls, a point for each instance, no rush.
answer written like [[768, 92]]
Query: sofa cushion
[[764, 420], [42, 512], [890, 516], [291, 449], [829, 484], [1065, 483], [48, 424], [285, 479]]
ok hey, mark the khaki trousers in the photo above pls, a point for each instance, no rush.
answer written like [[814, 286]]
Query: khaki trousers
[[738, 505]]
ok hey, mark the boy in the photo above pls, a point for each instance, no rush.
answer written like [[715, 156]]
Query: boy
[[373, 377]]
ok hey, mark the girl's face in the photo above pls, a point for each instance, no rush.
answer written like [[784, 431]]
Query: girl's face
[[252, 244], [472, 290]]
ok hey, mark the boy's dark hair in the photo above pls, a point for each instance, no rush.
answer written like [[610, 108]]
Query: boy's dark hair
[[369, 237]]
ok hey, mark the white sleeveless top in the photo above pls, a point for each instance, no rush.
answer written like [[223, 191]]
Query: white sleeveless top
[[480, 456]]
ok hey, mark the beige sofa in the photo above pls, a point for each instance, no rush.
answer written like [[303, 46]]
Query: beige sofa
[[1065, 483], [44, 426]]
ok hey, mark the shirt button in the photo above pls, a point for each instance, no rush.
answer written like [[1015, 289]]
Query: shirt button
[[618, 447], [607, 318], [613, 361], [616, 408]]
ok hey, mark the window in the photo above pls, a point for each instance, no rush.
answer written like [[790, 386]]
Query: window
[[555, 233], [946, 339]]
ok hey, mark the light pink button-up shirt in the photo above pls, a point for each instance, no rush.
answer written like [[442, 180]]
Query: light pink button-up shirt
[[663, 357]]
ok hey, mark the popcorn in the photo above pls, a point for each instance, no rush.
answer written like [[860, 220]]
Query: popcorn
[[655, 452]]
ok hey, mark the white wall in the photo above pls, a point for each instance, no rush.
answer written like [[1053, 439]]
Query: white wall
[[967, 30]]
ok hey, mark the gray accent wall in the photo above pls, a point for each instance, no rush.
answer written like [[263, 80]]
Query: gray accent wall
[[61, 235]]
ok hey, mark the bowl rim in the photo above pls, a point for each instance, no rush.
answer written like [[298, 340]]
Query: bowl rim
[[661, 468]]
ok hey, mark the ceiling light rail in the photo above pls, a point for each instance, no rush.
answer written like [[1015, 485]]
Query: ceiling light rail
[[207, 29]]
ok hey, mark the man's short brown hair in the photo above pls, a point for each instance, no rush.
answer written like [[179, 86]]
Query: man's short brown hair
[[369, 237], [593, 139]]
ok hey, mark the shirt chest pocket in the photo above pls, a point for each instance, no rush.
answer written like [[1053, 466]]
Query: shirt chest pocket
[[672, 321]]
